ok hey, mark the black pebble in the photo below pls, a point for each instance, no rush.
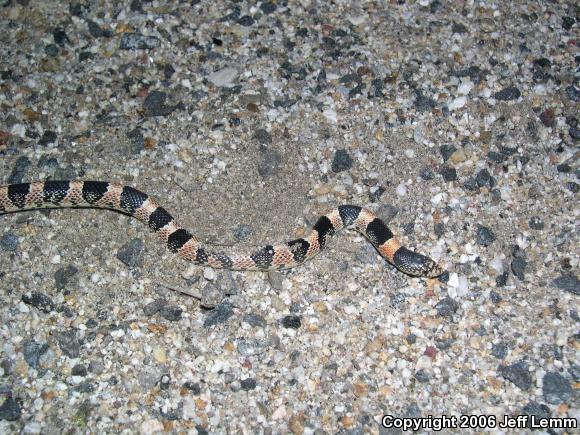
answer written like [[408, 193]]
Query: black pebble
[[255, 320], [484, 236], [262, 136], [291, 322], [171, 312], [536, 223], [495, 296], [538, 410], [421, 376], [499, 350], [194, 387], [246, 21], [426, 174], [69, 343], [484, 179], [48, 137], [154, 307], [131, 253], [59, 36], [154, 104], [33, 351], [568, 282], [448, 173], [79, 370], [341, 161], [518, 267], [64, 276], [10, 410], [446, 151], [556, 388], [248, 384], [220, 314], [9, 242], [501, 280], [39, 300], [507, 94], [447, 307], [518, 374]]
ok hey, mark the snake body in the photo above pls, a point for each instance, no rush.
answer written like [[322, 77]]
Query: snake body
[[130, 201]]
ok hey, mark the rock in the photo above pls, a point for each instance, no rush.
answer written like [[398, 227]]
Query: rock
[[154, 104], [248, 384], [291, 321], [341, 161], [225, 77], [508, 94], [484, 236], [9, 242], [499, 350], [131, 253], [171, 312], [548, 117], [39, 300], [33, 351], [446, 307], [568, 282], [556, 388], [136, 41], [154, 307], [518, 267], [64, 276], [10, 410], [69, 343], [219, 314], [518, 374]]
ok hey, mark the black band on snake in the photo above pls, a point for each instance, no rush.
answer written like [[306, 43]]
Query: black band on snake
[[130, 201]]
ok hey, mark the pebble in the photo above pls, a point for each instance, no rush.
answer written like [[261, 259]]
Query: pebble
[[220, 314], [556, 388], [251, 346], [518, 267], [131, 253], [401, 190], [446, 307], [39, 300], [155, 104], [448, 173], [341, 161], [248, 384], [508, 94], [171, 312], [10, 410], [484, 236], [9, 242], [33, 351], [499, 350], [568, 282], [136, 41], [212, 294], [225, 77], [154, 307], [457, 103], [518, 374], [69, 343], [291, 321], [65, 277]]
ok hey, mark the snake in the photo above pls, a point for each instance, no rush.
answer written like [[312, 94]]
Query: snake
[[135, 203]]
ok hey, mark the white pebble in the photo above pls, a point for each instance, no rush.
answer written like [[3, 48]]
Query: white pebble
[[95, 277], [436, 199], [458, 103], [331, 115], [453, 280], [410, 153], [497, 264], [465, 88], [401, 190], [55, 259], [224, 77], [209, 273]]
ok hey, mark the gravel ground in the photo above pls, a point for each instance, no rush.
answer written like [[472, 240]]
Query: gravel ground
[[457, 121]]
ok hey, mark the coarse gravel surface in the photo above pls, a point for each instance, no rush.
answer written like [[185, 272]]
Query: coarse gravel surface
[[456, 121]]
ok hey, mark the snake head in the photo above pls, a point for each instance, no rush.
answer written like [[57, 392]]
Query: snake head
[[416, 264]]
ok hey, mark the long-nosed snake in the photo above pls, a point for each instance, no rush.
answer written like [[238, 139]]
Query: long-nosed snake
[[127, 200]]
